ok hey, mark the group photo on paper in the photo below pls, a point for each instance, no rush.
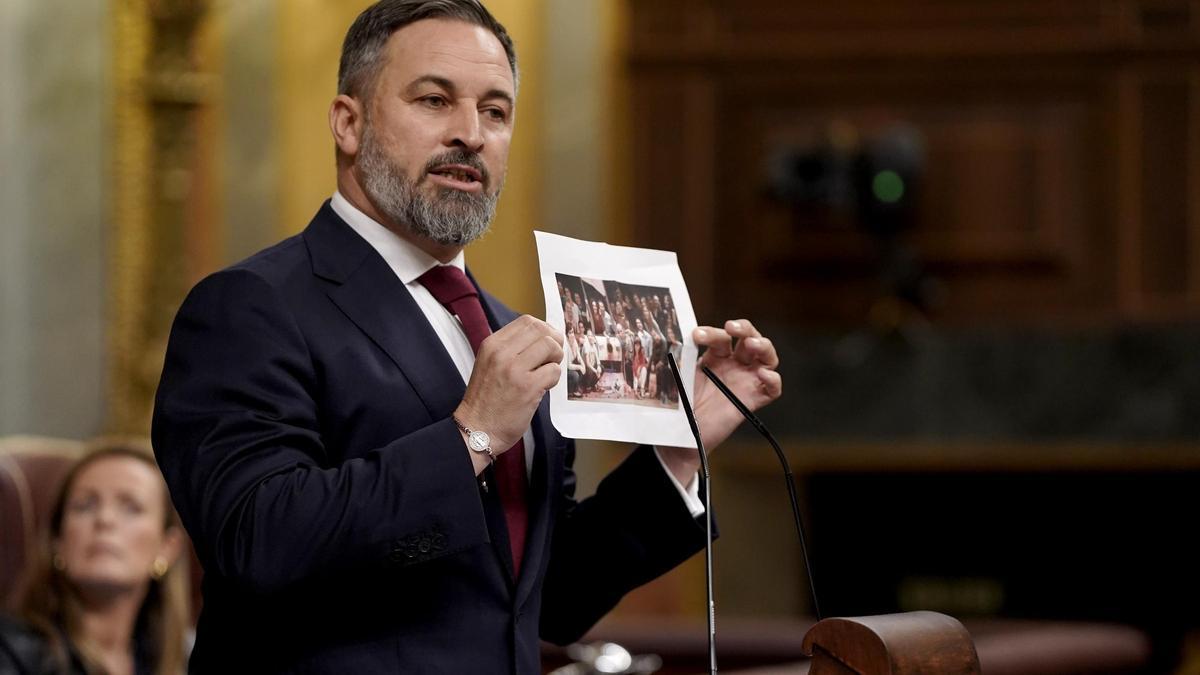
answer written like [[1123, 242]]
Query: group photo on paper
[[618, 338]]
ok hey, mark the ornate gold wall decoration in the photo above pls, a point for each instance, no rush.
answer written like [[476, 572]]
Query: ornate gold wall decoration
[[160, 88]]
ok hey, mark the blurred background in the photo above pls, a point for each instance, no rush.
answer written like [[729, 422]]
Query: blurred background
[[971, 228]]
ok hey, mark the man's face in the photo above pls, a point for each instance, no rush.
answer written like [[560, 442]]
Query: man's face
[[437, 130]]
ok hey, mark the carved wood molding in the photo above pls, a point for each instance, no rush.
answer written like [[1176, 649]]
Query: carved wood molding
[[158, 87], [1057, 181]]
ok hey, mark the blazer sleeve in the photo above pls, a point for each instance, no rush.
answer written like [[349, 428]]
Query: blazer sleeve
[[236, 433], [633, 530]]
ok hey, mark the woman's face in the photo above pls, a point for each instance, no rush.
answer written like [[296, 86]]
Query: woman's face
[[112, 528]]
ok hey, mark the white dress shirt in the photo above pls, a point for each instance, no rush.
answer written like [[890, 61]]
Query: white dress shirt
[[409, 263]]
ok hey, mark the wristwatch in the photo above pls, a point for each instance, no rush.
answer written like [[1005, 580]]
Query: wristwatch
[[477, 441]]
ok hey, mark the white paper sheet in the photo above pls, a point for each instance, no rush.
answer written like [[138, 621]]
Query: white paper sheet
[[613, 400]]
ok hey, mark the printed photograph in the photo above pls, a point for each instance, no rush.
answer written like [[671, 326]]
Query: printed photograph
[[618, 338]]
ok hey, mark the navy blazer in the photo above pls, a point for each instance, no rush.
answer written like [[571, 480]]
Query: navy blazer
[[303, 425]]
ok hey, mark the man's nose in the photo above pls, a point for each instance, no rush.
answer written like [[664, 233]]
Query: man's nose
[[465, 130]]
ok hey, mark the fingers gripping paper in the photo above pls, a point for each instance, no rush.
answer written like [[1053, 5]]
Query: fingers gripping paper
[[622, 310]]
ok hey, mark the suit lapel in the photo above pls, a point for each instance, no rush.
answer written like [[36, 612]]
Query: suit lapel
[[370, 295], [368, 292]]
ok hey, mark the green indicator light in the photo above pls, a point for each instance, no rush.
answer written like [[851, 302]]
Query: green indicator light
[[888, 187]]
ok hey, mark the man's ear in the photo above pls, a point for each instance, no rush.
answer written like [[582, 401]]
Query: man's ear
[[346, 123]]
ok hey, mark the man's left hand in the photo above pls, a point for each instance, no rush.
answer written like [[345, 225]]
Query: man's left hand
[[746, 362]]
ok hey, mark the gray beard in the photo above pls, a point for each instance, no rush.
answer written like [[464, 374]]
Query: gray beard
[[452, 218]]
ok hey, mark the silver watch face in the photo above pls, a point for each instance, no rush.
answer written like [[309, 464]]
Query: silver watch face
[[479, 441]]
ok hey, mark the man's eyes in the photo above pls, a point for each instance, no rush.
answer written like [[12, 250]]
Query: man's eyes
[[435, 102], [439, 102]]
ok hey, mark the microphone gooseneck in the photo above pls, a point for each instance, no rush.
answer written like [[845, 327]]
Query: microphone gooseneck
[[787, 473], [704, 487]]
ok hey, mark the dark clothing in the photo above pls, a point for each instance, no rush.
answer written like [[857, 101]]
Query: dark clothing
[[303, 426], [25, 651]]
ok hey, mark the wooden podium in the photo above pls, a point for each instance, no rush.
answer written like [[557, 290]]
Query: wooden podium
[[912, 643]]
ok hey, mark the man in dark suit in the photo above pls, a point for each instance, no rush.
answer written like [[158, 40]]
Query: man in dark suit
[[358, 438]]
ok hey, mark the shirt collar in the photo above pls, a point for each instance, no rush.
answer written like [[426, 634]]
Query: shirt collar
[[406, 259]]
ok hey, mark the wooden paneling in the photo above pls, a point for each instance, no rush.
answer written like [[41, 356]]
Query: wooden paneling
[[1060, 152], [773, 29], [1005, 196], [1164, 177]]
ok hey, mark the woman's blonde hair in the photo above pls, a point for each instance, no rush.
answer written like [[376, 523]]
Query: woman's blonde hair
[[48, 602]]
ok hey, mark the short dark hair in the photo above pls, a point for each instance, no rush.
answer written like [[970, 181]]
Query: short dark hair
[[363, 46]]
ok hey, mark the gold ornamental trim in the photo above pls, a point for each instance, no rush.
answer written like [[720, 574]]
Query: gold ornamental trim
[[131, 206], [159, 187]]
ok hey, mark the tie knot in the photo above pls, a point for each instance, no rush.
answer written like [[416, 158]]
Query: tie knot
[[447, 284]]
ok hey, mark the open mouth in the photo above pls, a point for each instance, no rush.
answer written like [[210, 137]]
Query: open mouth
[[458, 175]]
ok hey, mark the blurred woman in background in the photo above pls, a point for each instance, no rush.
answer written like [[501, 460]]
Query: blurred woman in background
[[106, 591]]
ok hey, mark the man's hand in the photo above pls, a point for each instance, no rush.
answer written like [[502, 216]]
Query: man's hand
[[746, 362], [514, 368]]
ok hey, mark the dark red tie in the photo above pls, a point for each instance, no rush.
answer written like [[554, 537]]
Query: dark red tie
[[449, 286]]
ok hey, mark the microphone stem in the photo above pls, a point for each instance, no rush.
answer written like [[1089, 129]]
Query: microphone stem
[[704, 486], [787, 473]]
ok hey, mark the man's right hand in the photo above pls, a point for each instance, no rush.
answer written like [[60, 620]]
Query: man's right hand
[[514, 368]]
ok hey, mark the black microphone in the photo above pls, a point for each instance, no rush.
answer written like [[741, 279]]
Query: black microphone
[[704, 475], [787, 473]]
